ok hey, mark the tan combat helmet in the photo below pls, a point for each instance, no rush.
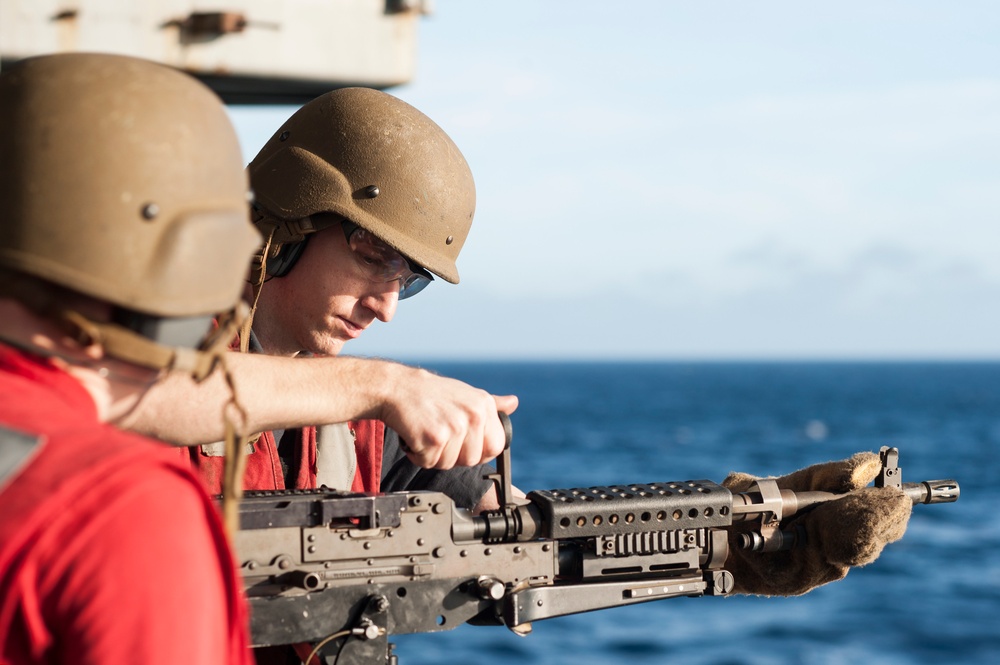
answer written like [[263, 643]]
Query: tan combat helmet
[[122, 180], [376, 161]]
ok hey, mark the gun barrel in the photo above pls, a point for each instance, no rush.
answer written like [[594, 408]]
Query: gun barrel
[[751, 505], [933, 491], [748, 505]]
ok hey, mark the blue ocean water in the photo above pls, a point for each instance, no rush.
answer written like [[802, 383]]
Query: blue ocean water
[[932, 597]]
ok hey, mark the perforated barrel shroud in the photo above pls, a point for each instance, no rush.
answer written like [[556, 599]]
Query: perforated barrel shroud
[[627, 509]]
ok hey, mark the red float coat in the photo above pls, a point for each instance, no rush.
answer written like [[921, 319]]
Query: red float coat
[[263, 465], [111, 552], [263, 470]]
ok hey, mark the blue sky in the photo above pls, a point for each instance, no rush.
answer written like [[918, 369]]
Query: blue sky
[[711, 180]]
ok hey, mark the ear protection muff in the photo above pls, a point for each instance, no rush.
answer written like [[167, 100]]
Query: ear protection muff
[[286, 258]]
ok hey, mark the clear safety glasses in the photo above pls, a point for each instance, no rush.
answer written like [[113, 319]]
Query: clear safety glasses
[[381, 263]]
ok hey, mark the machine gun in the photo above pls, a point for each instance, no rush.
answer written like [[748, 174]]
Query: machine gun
[[343, 572]]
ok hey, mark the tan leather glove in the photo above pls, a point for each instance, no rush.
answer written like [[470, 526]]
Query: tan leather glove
[[841, 533]]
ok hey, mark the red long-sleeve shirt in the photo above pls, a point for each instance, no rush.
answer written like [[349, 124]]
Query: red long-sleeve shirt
[[111, 552]]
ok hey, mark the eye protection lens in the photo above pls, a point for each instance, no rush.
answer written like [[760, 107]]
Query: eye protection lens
[[381, 263]]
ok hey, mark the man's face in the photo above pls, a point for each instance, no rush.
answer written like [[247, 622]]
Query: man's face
[[323, 302]]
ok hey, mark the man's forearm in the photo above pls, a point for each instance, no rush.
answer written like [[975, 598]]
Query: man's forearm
[[273, 393], [445, 422]]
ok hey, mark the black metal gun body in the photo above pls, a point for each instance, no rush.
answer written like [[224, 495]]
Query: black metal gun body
[[355, 569]]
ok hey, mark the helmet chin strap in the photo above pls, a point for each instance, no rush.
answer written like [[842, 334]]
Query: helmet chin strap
[[236, 443], [120, 341], [124, 344], [258, 275], [129, 346]]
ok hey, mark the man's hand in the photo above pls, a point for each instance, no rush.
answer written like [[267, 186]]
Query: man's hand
[[445, 422], [845, 532]]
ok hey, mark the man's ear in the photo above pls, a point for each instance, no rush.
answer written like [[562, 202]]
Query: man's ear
[[285, 259]]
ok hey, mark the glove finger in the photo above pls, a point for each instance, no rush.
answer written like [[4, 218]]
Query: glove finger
[[853, 530], [738, 482], [842, 476]]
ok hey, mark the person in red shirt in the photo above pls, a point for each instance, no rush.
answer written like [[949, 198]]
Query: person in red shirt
[[125, 236]]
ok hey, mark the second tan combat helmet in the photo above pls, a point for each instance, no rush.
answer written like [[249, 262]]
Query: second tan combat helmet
[[122, 180], [376, 161]]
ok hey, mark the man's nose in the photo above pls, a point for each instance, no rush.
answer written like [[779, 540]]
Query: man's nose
[[382, 300]]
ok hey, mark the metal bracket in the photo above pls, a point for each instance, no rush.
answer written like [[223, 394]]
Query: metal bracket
[[770, 513], [891, 475]]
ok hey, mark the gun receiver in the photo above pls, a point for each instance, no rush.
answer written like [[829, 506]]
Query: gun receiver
[[352, 569]]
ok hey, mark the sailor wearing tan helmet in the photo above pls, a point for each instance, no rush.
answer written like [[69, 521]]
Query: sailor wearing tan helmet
[[121, 179], [361, 199]]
